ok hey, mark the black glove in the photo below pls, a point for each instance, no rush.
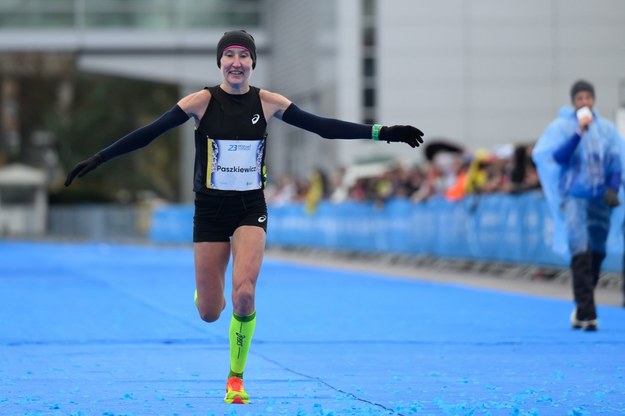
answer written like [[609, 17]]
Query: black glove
[[83, 168], [611, 198], [407, 134]]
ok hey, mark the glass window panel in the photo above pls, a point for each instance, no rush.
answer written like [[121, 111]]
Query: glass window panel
[[148, 14], [368, 36], [368, 67], [368, 7], [14, 195], [36, 13], [368, 97]]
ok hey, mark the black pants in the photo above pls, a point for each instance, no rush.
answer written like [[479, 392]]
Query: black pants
[[623, 279], [586, 270]]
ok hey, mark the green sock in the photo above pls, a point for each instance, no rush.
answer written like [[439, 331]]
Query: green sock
[[241, 332]]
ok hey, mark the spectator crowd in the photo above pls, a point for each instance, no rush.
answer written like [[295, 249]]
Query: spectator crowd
[[451, 174]]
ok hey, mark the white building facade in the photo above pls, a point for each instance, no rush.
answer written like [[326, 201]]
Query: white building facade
[[479, 72], [482, 73]]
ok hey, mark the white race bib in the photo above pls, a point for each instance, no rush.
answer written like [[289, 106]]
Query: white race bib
[[235, 165]]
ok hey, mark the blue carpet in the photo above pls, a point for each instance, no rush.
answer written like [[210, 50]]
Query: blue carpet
[[109, 330]]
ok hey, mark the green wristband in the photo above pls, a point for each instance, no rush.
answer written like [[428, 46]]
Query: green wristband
[[375, 132]]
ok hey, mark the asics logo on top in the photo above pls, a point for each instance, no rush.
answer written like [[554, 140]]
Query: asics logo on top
[[262, 219], [255, 118]]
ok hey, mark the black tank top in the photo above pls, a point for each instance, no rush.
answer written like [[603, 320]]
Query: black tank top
[[230, 143]]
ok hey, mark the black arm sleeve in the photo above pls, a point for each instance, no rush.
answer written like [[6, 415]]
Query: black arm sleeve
[[145, 135], [328, 128]]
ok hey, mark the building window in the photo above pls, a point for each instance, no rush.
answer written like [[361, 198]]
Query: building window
[[368, 67], [368, 97], [368, 8], [369, 60], [368, 35], [130, 14]]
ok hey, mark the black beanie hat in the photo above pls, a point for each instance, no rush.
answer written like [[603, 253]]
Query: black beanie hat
[[582, 85], [236, 37]]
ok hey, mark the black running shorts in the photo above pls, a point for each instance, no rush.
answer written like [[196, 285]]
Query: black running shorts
[[218, 215]]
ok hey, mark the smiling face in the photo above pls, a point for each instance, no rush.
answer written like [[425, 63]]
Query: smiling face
[[236, 66]]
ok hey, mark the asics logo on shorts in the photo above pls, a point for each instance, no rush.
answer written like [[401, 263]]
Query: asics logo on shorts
[[262, 218], [255, 118]]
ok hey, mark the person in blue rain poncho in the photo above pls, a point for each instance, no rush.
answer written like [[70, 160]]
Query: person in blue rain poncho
[[578, 158]]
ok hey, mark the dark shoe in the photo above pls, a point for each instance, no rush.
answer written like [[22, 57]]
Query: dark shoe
[[588, 325], [575, 323]]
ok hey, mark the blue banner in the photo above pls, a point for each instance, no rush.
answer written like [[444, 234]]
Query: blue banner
[[172, 224], [503, 228]]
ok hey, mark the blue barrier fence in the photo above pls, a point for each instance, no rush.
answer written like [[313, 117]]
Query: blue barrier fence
[[506, 228]]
